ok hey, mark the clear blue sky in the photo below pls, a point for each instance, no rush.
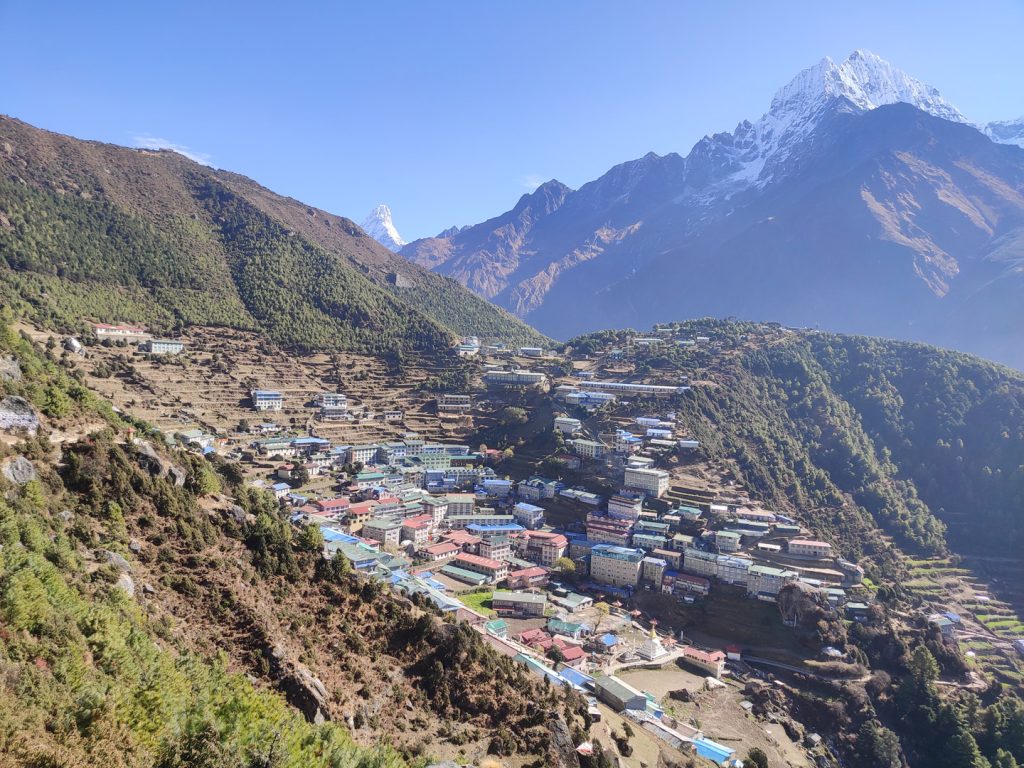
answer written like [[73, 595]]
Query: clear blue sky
[[448, 111]]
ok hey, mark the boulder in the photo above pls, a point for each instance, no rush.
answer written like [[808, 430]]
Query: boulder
[[307, 694], [18, 470], [126, 584], [9, 369], [156, 464], [16, 415], [116, 560]]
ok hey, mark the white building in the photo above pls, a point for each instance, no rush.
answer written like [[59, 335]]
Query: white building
[[624, 506], [809, 548], [653, 482], [727, 541], [567, 425], [619, 387], [162, 347], [454, 403], [515, 378], [267, 400], [588, 449], [617, 566], [528, 515], [126, 332]]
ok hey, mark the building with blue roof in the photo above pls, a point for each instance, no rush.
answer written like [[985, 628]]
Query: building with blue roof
[[478, 529]]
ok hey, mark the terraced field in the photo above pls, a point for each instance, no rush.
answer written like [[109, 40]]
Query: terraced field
[[989, 623], [209, 386]]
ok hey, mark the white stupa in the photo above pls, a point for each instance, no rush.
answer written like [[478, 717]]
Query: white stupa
[[651, 649]]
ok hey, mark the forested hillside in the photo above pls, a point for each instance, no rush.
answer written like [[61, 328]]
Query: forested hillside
[[96, 232], [925, 444], [157, 612]]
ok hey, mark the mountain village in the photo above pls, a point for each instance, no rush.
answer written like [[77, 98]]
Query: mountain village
[[574, 563]]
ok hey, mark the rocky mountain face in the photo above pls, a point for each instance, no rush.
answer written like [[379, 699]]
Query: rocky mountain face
[[861, 201]]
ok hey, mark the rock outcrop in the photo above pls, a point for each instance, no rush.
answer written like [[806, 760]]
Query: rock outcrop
[[18, 470], [17, 415], [9, 369]]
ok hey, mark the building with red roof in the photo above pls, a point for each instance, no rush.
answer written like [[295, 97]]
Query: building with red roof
[[528, 578], [440, 551], [712, 662], [494, 570]]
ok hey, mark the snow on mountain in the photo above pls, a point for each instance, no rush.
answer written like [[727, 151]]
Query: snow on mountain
[[1006, 131], [755, 153], [380, 227]]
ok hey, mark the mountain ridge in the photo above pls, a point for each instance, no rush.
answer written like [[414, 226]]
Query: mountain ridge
[[933, 209], [150, 236]]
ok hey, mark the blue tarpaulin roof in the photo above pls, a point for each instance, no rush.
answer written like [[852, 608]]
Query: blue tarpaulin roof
[[609, 640]]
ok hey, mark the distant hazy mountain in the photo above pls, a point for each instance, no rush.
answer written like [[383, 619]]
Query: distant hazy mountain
[[380, 227], [861, 201], [1006, 131]]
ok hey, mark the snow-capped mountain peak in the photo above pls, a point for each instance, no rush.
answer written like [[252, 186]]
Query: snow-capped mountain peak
[[756, 153], [380, 227], [1006, 131], [865, 80]]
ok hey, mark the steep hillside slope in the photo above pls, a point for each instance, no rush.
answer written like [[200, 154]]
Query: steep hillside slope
[[93, 231], [153, 611], [918, 442]]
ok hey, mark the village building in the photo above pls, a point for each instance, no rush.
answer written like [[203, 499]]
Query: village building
[[436, 507], [519, 603], [588, 449], [494, 570], [727, 541], [450, 403], [652, 570], [266, 400], [625, 505], [602, 529], [460, 504], [618, 387], [458, 522], [466, 541], [363, 454], [567, 425], [711, 662], [162, 347], [495, 547], [533, 577], [614, 565], [541, 547], [766, 580], [119, 332], [618, 694], [387, 532], [653, 482], [444, 550], [809, 548], [514, 378], [528, 515], [417, 529], [537, 488]]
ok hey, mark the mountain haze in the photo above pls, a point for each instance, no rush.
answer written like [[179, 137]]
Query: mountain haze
[[861, 201]]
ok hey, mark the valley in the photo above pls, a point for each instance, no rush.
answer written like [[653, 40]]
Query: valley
[[675, 406]]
